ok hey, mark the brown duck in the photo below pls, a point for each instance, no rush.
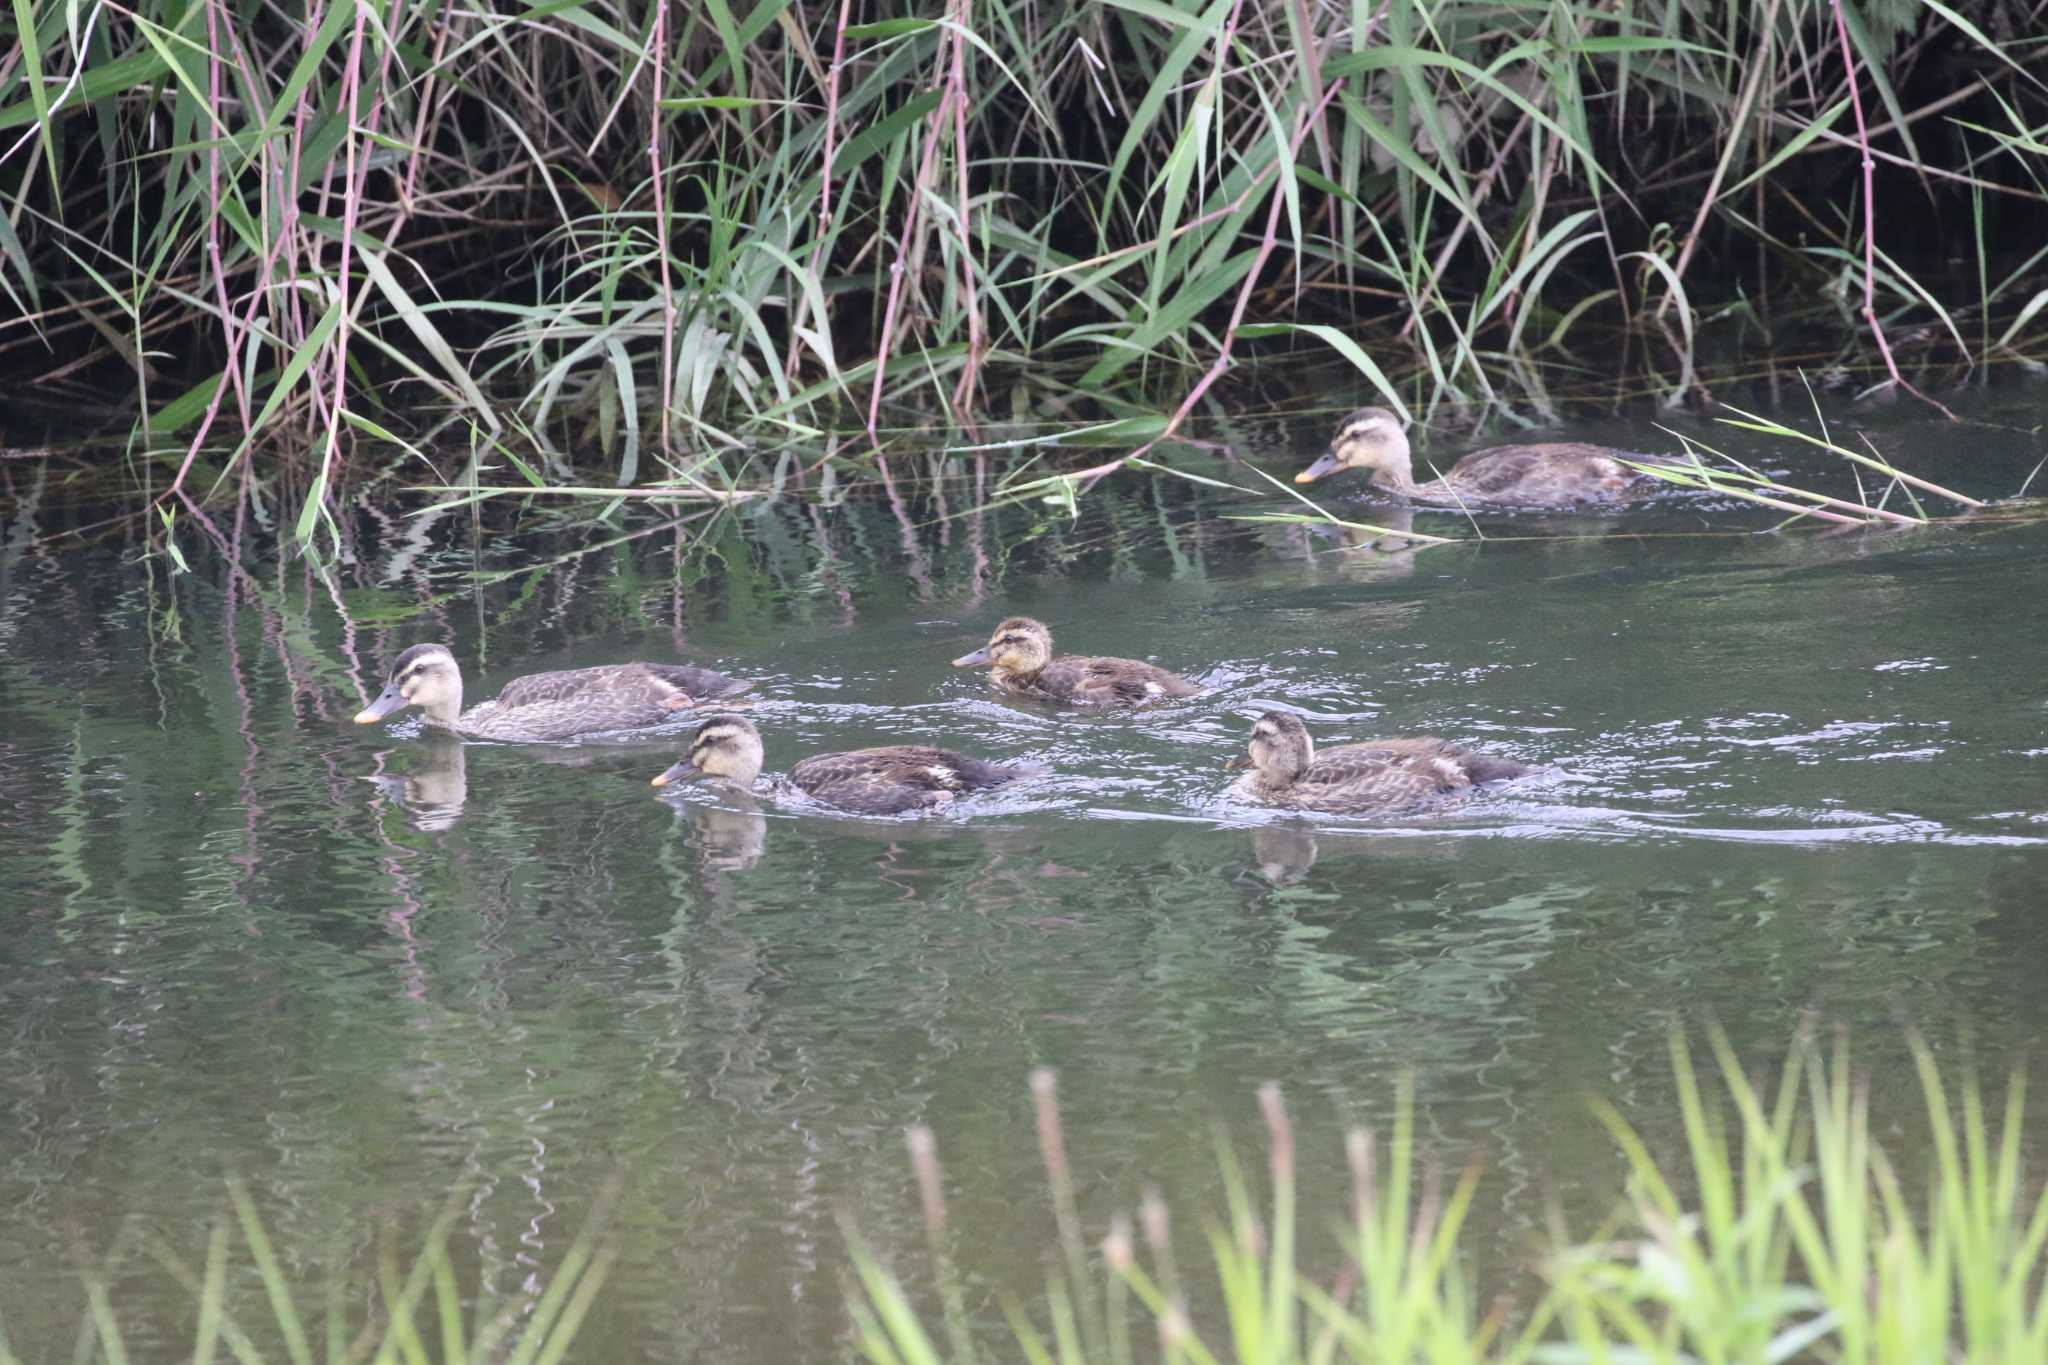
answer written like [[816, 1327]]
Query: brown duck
[[542, 707], [1379, 778], [1020, 661], [1553, 474], [896, 779]]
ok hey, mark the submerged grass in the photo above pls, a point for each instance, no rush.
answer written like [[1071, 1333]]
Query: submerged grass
[[1784, 1230]]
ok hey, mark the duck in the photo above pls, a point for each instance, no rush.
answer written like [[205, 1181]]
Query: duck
[[1552, 474], [1020, 661], [543, 707], [895, 779], [1378, 778]]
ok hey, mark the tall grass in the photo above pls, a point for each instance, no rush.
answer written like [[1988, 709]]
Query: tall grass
[[669, 234], [1784, 1229]]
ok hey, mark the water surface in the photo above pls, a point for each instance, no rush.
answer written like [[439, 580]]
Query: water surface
[[363, 968]]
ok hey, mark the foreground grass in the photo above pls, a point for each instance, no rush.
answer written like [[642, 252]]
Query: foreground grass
[[1784, 1231]]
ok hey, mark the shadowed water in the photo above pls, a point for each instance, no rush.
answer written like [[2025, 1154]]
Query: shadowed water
[[364, 968]]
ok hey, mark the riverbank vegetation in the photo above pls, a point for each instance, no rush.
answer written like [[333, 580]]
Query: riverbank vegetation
[[614, 243], [1795, 1224]]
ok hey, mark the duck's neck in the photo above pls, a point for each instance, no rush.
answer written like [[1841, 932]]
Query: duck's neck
[[1398, 473], [445, 710], [1274, 781]]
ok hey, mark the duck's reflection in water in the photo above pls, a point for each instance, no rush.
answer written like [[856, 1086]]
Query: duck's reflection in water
[[434, 787], [1380, 546], [730, 836], [1284, 853]]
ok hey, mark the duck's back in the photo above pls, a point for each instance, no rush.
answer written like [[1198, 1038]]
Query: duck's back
[[895, 779], [1557, 473], [1394, 774], [621, 684], [1104, 681], [568, 702]]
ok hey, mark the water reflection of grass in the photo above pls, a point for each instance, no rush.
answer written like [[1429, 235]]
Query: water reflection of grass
[[416, 1312], [1783, 1231]]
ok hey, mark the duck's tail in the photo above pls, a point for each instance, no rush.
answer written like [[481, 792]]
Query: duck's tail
[[701, 684], [1486, 768], [976, 773]]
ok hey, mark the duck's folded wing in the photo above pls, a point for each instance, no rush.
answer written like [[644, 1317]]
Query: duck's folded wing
[[567, 684], [1435, 755], [1128, 680], [898, 778], [635, 686], [886, 781], [1502, 471], [1377, 771], [1556, 470]]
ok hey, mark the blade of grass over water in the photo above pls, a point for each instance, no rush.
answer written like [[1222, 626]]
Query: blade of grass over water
[[1751, 422]]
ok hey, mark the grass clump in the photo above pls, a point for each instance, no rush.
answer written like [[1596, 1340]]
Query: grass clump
[[1783, 1231], [669, 236]]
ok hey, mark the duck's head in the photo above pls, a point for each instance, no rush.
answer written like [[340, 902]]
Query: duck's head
[[726, 747], [425, 676], [1370, 439], [1019, 645], [1280, 750]]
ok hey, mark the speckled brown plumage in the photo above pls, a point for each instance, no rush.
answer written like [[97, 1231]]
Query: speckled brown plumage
[[1376, 778], [1548, 474], [896, 778], [1021, 662], [893, 779], [541, 707]]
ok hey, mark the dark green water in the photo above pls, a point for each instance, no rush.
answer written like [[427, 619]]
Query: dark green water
[[364, 968]]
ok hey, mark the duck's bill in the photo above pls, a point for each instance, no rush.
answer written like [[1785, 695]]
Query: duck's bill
[[1321, 469], [1237, 763], [675, 772], [979, 656], [389, 700]]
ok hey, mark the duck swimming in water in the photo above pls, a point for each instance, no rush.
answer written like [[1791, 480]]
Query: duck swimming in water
[[1020, 661], [543, 707], [1377, 778], [893, 780], [1552, 474]]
